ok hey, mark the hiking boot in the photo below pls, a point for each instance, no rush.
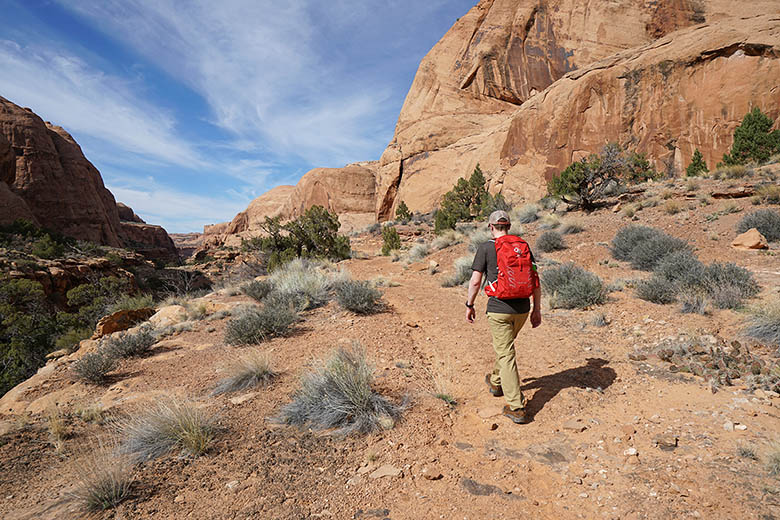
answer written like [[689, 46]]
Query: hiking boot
[[517, 416], [496, 391]]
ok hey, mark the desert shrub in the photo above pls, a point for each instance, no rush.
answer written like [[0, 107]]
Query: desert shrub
[[391, 241], [131, 344], [773, 459], [94, 367], [570, 286], [571, 228], [447, 239], [628, 238], [247, 371], [103, 479], [418, 252], [763, 323], [257, 289], [461, 272], [359, 297], [312, 235], [550, 222], [647, 253], [402, 213], [768, 194], [47, 247], [491, 203], [754, 140], [302, 282], [525, 215], [766, 221], [254, 325], [550, 241], [94, 300], [697, 166], [672, 207], [682, 269], [477, 237], [462, 203], [694, 303], [734, 171], [127, 302], [657, 290], [337, 393], [165, 426], [729, 285], [586, 182]]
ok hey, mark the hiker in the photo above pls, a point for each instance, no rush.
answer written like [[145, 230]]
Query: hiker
[[512, 278]]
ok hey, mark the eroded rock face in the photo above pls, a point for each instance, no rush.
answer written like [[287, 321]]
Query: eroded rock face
[[126, 214], [61, 187], [500, 57], [269, 204], [149, 240]]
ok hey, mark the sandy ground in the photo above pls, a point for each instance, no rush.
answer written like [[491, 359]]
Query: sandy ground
[[610, 437]]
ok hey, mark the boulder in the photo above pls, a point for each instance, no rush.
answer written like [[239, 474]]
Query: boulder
[[167, 316], [126, 214], [750, 239], [121, 320]]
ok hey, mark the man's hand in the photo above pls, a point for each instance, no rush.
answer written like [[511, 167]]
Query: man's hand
[[536, 317], [470, 314]]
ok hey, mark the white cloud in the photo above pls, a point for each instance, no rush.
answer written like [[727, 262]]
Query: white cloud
[[64, 89], [266, 69]]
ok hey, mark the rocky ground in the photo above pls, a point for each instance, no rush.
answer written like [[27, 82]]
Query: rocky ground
[[611, 437]]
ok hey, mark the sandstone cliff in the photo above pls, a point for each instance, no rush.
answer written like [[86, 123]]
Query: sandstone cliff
[[45, 178]]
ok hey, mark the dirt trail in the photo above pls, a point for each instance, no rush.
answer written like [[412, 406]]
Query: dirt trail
[[610, 437]]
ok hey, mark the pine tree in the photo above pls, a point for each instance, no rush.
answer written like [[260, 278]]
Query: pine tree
[[402, 212], [754, 140], [697, 166]]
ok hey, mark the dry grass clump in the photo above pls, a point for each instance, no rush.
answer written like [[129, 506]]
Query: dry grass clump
[[461, 272], [417, 253], [773, 459], [302, 281], [447, 239], [94, 367], [768, 194], [672, 207], [252, 325], [359, 297], [550, 222], [478, 237], [131, 344], [525, 215], [766, 221], [737, 171], [165, 426], [572, 287], [337, 394], [550, 241], [247, 371], [103, 479], [57, 426], [257, 289], [764, 323], [571, 228]]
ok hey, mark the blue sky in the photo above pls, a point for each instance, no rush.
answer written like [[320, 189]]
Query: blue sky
[[190, 109]]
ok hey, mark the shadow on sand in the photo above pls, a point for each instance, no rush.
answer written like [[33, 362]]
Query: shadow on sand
[[594, 374]]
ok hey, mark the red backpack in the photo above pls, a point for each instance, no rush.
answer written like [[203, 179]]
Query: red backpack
[[517, 277]]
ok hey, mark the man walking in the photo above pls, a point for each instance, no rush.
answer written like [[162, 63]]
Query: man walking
[[512, 278]]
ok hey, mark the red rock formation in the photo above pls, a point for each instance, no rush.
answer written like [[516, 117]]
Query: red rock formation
[[60, 186], [126, 214], [151, 241]]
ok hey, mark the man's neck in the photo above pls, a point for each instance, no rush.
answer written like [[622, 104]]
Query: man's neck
[[498, 234]]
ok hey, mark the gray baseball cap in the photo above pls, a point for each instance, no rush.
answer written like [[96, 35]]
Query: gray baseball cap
[[499, 216]]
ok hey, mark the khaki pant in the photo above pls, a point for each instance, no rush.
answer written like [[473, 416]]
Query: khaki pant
[[504, 328]]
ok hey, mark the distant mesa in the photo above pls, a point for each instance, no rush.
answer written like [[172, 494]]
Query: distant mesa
[[45, 178], [526, 88]]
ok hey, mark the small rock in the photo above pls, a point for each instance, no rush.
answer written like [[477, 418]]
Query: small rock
[[431, 474], [493, 427], [630, 452], [241, 399], [583, 495], [575, 425], [179, 499], [386, 471], [728, 426], [740, 427], [232, 484]]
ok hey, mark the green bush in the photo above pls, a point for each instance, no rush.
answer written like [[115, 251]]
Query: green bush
[[255, 325], [570, 286], [754, 140], [359, 297], [550, 241], [464, 202], [338, 394], [390, 240], [72, 337], [312, 235], [697, 166], [46, 247], [588, 181], [766, 221], [402, 212]]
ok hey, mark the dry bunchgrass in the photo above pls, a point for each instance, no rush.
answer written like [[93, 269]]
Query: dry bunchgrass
[[165, 426], [103, 478], [764, 322], [461, 272], [247, 371], [57, 426], [773, 459]]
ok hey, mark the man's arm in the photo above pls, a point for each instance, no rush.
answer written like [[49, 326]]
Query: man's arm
[[474, 285], [536, 313]]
